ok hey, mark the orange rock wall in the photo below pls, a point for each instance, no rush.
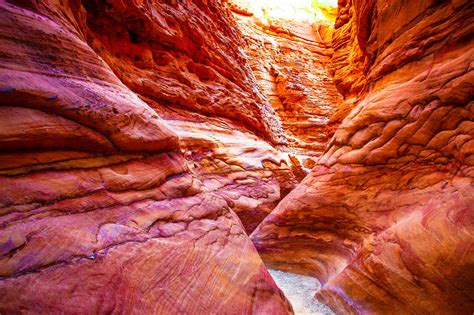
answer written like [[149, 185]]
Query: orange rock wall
[[134, 139], [385, 219], [290, 61], [116, 194]]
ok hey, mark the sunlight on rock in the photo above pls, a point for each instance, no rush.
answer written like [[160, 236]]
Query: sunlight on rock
[[301, 10]]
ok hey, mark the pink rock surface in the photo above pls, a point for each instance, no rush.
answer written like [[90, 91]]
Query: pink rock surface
[[100, 211], [140, 140], [385, 219]]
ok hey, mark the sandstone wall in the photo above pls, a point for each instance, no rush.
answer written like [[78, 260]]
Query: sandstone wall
[[385, 219], [185, 60], [102, 209], [291, 63]]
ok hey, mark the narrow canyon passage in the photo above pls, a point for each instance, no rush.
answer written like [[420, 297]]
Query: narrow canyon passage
[[161, 156]]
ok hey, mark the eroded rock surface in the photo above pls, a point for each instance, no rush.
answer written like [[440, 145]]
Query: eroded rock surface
[[101, 210], [137, 148], [291, 62], [188, 65], [385, 219]]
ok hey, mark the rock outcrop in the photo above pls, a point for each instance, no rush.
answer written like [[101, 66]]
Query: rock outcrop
[[103, 207], [385, 219]]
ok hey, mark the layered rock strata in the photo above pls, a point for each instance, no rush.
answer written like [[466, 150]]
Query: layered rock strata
[[291, 63], [188, 65], [385, 219], [100, 210]]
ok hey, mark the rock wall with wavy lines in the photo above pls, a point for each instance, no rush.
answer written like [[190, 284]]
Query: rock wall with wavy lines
[[130, 135], [385, 219], [140, 141]]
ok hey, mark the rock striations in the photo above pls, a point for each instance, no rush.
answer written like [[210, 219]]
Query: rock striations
[[117, 188], [142, 140], [291, 61], [385, 219]]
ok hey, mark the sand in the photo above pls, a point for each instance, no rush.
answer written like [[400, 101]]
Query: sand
[[300, 290]]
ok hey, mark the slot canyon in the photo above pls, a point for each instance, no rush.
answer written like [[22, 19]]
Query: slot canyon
[[179, 156]]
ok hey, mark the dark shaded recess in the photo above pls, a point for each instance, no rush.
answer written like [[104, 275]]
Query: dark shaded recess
[[133, 37]]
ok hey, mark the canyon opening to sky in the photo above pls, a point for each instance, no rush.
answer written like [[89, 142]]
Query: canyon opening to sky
[[236, 157]]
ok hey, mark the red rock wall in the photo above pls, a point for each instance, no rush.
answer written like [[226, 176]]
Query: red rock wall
[[385, 219], [290, 62], [101, 210], [350, 61], [181, 54], [186, 63]]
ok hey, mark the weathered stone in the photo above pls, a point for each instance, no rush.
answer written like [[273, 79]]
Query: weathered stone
[[385, 219], [100, 211]]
